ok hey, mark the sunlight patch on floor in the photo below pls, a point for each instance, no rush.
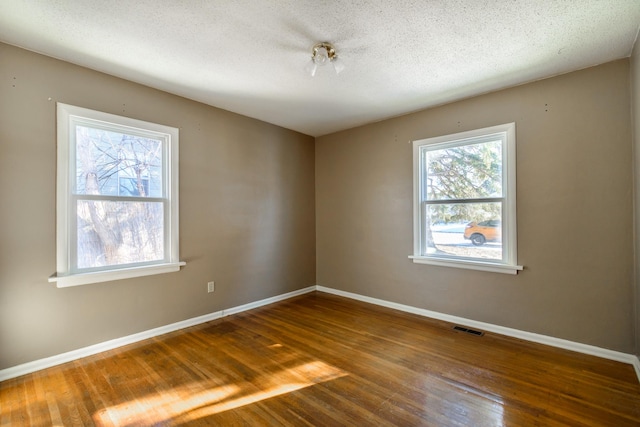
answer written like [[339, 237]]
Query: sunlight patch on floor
[[192, 402]]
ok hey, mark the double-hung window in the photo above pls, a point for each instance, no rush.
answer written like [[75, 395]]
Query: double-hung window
[[465, 201], [117, 197]]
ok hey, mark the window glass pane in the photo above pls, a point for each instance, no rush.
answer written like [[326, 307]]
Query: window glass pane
[[118, 232], [464, 172], [469, 230], [117, 164]]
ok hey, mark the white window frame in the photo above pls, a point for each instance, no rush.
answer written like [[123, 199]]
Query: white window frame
[[68, 116], [508, 263]]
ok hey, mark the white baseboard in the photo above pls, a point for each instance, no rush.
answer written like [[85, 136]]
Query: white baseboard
[[527, 336], [48, 362], [266, 301], [59, 359], [636, 366]]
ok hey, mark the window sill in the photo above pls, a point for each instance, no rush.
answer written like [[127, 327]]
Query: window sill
[[467, 264], [63, 281]]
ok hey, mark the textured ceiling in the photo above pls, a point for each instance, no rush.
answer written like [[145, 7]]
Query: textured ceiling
[[401, 56]]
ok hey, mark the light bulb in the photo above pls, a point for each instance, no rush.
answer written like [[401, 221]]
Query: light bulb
[[321, 57], [338, 65], [322, 54], [311, 68]]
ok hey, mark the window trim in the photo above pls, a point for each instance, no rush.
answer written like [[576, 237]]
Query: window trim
[[509, 262], [67, 115]]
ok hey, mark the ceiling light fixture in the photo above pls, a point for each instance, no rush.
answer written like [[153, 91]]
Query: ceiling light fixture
[[322, 53]]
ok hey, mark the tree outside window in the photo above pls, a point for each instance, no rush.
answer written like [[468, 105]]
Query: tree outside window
[[127, 228]]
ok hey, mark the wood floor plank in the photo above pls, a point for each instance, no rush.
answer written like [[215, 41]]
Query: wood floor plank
[[372, 374], [323, 360]]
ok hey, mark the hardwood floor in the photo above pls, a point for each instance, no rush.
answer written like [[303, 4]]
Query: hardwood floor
[[322, 360]]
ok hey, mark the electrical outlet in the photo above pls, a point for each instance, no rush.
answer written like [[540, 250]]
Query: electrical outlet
[[211, 286]]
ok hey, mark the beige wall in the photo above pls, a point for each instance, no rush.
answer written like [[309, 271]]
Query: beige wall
[[635, 117], [574, 201], [247, 214]]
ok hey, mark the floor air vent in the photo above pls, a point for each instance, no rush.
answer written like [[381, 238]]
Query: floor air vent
[[468, 331]]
